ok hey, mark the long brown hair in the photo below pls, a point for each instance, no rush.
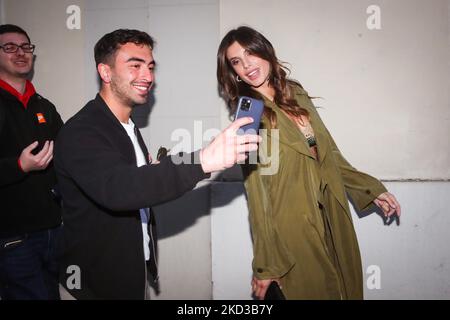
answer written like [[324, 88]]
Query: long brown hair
[[230, 89]]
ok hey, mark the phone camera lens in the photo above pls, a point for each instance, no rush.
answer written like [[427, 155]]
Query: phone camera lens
[[246, 104]]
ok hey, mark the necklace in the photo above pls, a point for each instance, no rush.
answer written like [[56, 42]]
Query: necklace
[[307, 130], [309, 135]]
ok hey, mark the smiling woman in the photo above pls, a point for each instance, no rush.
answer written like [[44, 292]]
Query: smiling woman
[[303, 236], [249, 68]]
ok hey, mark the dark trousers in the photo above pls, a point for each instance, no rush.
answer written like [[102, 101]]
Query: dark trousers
[[29, 267]]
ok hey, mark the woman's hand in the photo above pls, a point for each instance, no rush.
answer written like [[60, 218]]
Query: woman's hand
[[259, 287], [389, 204]]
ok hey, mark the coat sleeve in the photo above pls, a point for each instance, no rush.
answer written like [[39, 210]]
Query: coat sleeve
[[95, 166], [10, 172], [9, 167], [361, 187], [271, 258]]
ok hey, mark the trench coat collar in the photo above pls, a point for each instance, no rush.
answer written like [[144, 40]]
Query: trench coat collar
[[319, 130], [292, 135]]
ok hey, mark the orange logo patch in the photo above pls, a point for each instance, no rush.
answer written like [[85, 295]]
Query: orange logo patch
[[41, 118]]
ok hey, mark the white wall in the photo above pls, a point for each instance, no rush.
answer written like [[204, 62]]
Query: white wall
[[411, 260], [413, 257], [386, 102], [230, 241], [386, 92]]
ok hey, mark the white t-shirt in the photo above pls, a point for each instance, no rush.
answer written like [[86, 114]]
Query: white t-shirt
[[140, 161]]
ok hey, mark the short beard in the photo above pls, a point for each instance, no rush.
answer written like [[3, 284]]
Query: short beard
[[121, 94]]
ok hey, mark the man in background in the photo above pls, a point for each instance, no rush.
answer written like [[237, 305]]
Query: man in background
[[30, 216]]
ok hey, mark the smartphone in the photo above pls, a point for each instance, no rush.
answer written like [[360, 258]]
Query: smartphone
[[250, 107], [39, 147]]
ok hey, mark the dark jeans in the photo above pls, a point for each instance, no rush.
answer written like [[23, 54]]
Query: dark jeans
[[29, 267]]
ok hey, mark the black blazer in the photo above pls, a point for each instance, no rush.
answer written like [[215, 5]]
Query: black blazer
[[103, 190]]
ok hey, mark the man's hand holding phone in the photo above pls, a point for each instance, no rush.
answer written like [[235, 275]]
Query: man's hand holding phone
[[229, 147]]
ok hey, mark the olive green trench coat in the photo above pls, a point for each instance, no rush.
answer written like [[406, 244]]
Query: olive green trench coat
[[301, 223]]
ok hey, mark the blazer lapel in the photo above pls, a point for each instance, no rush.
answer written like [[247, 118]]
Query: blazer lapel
[[124, 144]]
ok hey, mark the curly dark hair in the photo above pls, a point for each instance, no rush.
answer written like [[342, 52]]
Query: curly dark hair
[[108, 45]]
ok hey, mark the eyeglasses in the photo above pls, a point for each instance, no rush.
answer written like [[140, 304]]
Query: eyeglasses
[[12, 47]]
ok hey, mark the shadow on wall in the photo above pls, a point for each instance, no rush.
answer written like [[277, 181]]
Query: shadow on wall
[[178, 215]]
